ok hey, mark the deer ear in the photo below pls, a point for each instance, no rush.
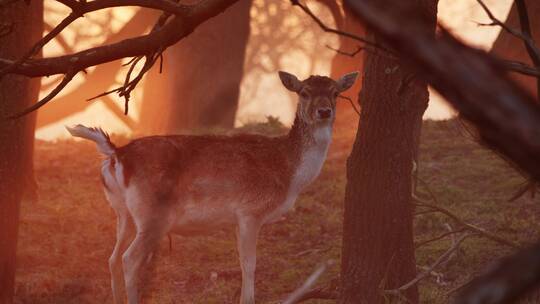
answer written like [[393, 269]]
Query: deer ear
[[346, 81], [290, 81]]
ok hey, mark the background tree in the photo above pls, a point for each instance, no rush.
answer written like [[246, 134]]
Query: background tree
[[378, 249], [200, 83], [22, 25]]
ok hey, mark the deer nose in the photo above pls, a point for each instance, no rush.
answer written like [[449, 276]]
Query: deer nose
[[324, 113]]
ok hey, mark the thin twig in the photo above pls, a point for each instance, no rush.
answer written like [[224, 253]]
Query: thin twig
[[352, 103], [520, 67], [67, 78], [532, 49], [329, 291], [325, 28], [452, 232], [439, 276], [350, 54], [453, 216], [426, 273], [525, 36], [471, 227], [530, 186], [310, 281]]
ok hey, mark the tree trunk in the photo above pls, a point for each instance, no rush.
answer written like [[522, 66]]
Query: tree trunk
[[200, 83], [378, 251], [508, 47], [16, 136]]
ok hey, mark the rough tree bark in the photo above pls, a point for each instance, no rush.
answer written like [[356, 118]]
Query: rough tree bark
[[508, 47], [200, 83], [378, 250], [16, 136]]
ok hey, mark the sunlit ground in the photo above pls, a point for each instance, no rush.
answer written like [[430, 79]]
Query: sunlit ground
[[67, 237]]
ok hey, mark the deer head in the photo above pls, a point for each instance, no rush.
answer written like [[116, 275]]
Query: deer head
[[317, 95]]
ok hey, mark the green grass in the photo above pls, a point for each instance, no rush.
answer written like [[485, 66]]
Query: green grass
[[66, 237]]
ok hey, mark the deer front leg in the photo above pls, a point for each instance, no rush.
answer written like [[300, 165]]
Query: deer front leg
[[246, 237]]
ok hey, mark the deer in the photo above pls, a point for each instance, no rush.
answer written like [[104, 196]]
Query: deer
[[195, 184]]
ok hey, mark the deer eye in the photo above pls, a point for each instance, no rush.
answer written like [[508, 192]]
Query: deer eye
[[304, 94], [336, 94]]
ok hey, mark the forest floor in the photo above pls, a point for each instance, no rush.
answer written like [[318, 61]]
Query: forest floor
[[67, 236]]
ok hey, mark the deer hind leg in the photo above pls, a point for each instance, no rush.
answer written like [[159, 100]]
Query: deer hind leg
[[246, 234], [150, 230], [125, 231]]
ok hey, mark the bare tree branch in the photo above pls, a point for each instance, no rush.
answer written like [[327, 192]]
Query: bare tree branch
[[67, 78], [349, 54], [351, 102], [529, 43], [325, 28], [439, 237], [520, 67], [469, 226], [530, 186], [151, 46], [100, 78], [443, 258], [525, 35], [84, 7], [185, 21]]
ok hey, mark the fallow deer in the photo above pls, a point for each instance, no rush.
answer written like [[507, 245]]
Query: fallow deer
[[194, 184]]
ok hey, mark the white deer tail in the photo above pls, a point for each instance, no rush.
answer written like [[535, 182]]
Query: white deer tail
[[96, 135]]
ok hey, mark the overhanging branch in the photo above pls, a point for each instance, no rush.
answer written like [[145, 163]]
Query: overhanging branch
[[151, 46], [184, 22]]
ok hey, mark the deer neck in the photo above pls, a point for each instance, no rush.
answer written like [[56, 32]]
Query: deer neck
[[308, 145]]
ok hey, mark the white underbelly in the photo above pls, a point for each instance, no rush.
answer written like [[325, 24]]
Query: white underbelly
[[196, 217]]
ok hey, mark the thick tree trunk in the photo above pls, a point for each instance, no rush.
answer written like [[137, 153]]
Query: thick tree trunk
[[508, 47], [16, 136], [200, 84], [378, 250]]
